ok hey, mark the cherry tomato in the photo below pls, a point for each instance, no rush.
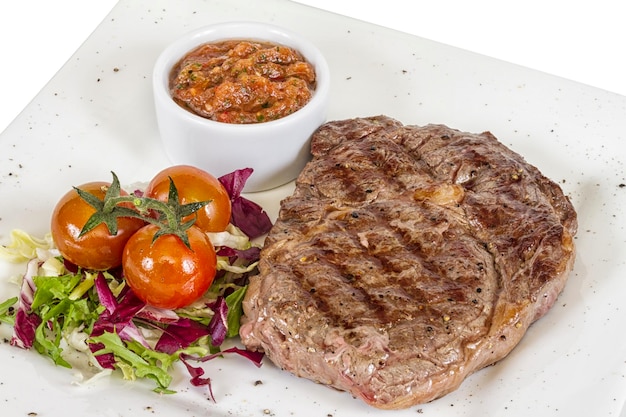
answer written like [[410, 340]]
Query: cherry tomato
[[193, 185], [166, 273], [97, 249]]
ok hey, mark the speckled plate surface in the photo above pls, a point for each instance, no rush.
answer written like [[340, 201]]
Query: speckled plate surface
[[96, 115]]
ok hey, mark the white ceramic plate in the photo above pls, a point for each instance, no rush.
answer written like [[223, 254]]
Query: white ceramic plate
[[96, 116]]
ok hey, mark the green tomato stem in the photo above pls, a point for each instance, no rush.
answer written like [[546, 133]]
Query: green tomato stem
[[112, 206]]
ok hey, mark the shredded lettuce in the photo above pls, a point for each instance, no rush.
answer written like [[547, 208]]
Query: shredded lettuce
[[23, 247], [136, 361], [232, 237]]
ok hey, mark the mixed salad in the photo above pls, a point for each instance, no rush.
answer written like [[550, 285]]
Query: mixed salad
[[65, 306]]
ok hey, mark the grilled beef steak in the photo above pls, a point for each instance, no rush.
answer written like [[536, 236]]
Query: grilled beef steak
[[406, 259]]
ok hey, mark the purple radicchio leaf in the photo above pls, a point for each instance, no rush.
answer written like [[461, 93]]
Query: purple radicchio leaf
[[116, 318], [24, 330], [26, 323], [252, 254], [254, 357], [197, 373], [180, 335], [184, 332], [246, 215], [235, 181], [159, 315], [70, 267], [218, 326], [106, 297]]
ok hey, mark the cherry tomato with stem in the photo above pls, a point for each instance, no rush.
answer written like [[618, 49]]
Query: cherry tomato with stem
[[97, 249], [164, 272], [195, 185]]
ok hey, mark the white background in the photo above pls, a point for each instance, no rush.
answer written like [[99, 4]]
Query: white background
[[579, 40]]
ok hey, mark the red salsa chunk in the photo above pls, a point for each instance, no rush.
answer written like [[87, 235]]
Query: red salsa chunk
[[242, 81]]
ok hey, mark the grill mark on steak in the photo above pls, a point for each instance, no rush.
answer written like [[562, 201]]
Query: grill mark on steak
[[407, 258]]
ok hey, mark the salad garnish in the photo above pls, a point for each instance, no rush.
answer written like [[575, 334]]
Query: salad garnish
[[62, 307]]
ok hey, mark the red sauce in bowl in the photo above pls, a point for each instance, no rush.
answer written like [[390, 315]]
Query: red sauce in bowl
[[242, 81]]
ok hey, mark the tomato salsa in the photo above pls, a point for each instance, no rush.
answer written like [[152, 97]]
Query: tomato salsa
[[242, 81]]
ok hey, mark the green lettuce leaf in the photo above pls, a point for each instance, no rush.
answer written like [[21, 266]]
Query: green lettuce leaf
[[7, 312]]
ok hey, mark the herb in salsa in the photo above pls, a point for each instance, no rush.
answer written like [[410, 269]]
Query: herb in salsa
[[239, 81]]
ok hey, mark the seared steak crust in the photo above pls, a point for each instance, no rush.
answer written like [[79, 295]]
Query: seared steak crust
[[407, 258]]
